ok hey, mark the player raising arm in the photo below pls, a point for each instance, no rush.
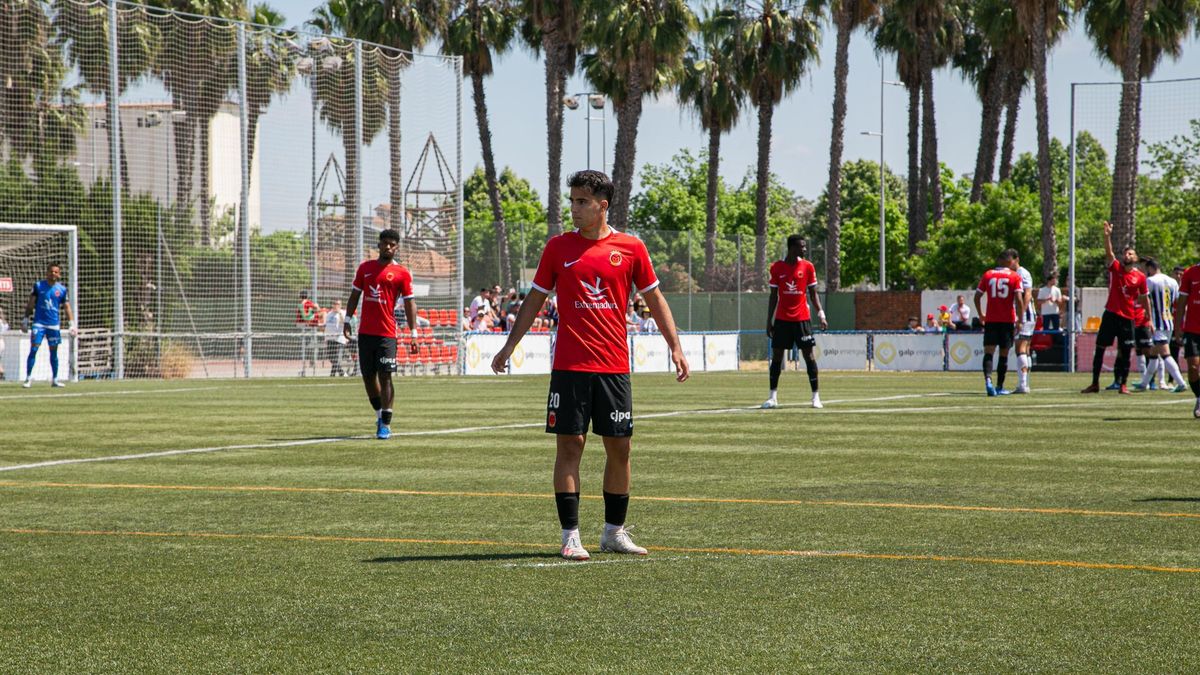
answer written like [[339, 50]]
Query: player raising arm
[[1006, 302], [1126, 286], [1187, 324], [593, 269], [379, 283], [46, 300]]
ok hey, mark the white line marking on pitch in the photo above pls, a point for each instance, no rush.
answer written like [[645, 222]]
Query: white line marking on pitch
[[581, 563], [126, 392]]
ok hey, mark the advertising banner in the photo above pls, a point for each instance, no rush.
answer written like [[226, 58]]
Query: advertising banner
[[721, 352], [650, 354], [531, 355], [478, 351], [693, 349], [909, 352], [965, 351], [841, 352]]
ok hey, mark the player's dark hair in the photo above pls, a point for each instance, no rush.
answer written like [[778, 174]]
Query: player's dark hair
[[794, 239], [1012, 254], [1151, 262], [389, 235], [1004, 256], [600, 185]]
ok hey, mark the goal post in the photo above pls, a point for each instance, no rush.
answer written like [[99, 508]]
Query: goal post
[[26, 250]]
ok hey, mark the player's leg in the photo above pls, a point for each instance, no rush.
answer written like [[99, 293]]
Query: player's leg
[[1171, 367], [612, 420], [386, 366], [1154, 365], [1104, 338], [989, 355], [35, 341], [53, 340], [774, 370], [568, 410], [1023, 363], [368, 357], [1001, 369], [1191, 350], [810, 364]]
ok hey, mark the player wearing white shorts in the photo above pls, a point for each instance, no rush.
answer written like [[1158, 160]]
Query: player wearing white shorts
[[1162, 292], [1026, 323]]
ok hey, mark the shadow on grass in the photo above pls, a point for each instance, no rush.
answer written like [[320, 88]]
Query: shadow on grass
[[468, 557], [1195, 500]]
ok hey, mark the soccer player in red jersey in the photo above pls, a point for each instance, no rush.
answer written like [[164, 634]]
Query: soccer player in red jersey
[[1006, 301], [1126, 288], [593, 269], [1187, 326], [379, 283], [793, 283]]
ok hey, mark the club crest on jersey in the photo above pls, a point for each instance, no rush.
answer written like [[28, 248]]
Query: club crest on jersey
[[390, 276], [615, 258]]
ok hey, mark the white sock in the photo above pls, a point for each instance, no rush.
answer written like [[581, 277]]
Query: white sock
[[1142, 368], [773, 392], [1173, 368], [567, 534], [1152, 365]]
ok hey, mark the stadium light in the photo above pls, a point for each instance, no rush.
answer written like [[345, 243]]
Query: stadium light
[[596, 101]]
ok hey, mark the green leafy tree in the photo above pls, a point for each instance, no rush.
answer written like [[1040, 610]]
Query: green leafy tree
[[522, 210], [859, 203]]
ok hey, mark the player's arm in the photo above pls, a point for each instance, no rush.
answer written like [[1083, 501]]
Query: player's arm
[[661, 311], [1180, 313], [815, 299], [410, 315], [978, 309], [772, 302], [1022, 303], [66, 306], [351, 306], [529, 311], [1108, 247]]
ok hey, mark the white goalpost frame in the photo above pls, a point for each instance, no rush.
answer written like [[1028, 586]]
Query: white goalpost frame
[[73, 286]]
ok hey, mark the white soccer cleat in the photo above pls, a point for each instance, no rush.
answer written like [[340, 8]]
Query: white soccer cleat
[[1023, 389], [619, 541], [58, 383], [817, 401], [769, 403], [574, 550], [27, 383]]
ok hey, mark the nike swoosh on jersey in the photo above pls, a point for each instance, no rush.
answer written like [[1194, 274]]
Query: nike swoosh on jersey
[[568, 264]]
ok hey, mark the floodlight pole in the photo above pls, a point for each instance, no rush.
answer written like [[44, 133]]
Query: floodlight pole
[[243, 212], [1071, 281], [114, 126]]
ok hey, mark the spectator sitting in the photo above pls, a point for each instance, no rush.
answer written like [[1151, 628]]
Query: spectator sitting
[[931, 324], [914, 325], [944, 317], [647, 323], [482, 320], [631, 319], [960, 314], [466, 319]]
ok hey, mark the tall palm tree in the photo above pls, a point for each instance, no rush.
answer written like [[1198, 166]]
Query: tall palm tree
[[939, 33], [198, 66], [333, 72], [1043, 21], [709, 85], [477, 30], [83, 28], [1134, 35], [407, 26], [989, 27], [776, 42], [555, 26], [639, 46], [892, 34], [847, 15], [1014, 88]]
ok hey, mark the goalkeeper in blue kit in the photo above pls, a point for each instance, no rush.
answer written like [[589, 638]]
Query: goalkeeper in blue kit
[[46, 302]]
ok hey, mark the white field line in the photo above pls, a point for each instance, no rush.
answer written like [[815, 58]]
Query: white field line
[[530, 425], [581, 563], [130, 392]]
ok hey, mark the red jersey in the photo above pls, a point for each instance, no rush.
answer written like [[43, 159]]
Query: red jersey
[[1189, 290], [793, 282], [1002, 286], [593, 279], [307, 313], [380, 286], [1124, 289]]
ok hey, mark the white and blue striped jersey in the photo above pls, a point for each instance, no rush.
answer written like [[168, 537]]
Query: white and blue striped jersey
[[1163, 291], [1027, 285]]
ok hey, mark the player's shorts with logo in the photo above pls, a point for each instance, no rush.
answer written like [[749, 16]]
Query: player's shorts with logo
[[788, 334], [1191, 345], [1142, 337], [52, 336], [577, 398], [376, 353], [1028, 324], [1113, 326], [998, 334]]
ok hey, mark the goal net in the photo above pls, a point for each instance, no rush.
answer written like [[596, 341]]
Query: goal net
[[26, 253]]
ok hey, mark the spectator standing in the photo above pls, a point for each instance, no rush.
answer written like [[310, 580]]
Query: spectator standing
[[1050, 301], [307, 319], [960, 314], [335, 340]]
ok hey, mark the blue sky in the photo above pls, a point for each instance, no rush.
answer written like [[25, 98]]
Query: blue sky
[[802, 123]]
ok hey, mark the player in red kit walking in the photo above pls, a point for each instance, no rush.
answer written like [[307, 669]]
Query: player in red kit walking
[[593, 269], [1006, 302], [793, 284], [379, 283], [1126, 288], [1187, 326]]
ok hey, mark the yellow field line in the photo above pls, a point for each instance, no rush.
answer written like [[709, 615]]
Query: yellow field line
[[530, 495], [1074, 564]]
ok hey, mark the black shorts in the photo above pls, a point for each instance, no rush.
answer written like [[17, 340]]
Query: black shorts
[[603, 399], [1191, 345], [1142, 337], [998, 334], [1114, 326], [790, 334], [376, 354]]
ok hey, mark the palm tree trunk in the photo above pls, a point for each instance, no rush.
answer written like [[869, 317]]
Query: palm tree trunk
[[1012, 96], [395, 139], [351, 224], [554, 135], [185, 147], [915, 209], [841, 69], [765, 111], [1125, 165], [710, 205], [1045, 189], [629, 113], [989, 126], [489, 174], [929, 150]]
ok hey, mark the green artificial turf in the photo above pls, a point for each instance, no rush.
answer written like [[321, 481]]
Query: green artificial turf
[[911, 525]]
